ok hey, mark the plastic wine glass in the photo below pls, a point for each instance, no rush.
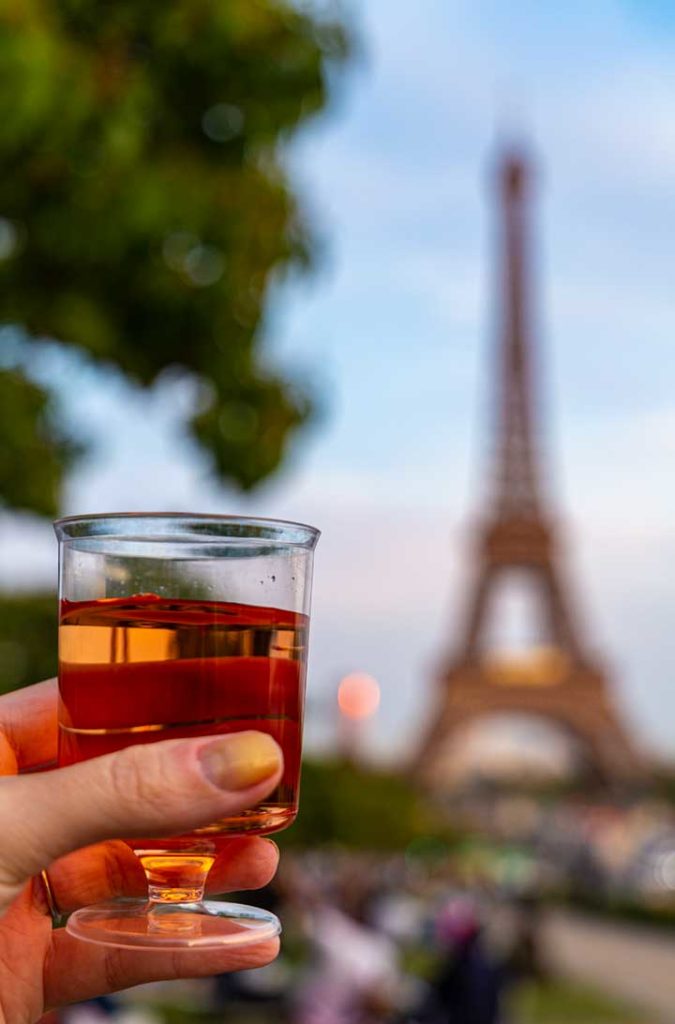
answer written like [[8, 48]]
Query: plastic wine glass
[[174, 625]]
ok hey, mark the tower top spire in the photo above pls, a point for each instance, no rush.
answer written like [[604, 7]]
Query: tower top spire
[[515, 173], [516, 491]]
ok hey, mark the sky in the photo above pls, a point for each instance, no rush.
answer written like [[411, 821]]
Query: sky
[[394, 333]]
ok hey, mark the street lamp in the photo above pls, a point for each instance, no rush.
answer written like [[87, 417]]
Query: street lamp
[[358, 698]]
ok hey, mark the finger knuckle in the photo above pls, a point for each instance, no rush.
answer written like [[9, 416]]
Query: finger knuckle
[[137, 779], [116, 969], [9, 890], [114, 867], [20, 848], [259, 871]]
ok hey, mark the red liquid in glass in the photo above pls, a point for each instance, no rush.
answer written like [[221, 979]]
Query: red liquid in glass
[[144, 668]]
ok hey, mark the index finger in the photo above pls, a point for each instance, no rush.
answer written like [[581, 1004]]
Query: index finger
[[28, 728]]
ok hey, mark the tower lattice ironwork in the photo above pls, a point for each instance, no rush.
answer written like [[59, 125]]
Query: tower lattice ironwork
[[559, 679]]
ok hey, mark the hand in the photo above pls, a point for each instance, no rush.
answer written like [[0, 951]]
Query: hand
[[158, 788]]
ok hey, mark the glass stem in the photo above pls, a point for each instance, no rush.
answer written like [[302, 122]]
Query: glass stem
[[175, 877]]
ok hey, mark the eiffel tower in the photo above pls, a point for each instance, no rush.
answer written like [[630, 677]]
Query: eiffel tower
[[558, 680]]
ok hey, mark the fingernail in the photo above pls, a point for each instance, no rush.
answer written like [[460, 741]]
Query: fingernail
[[240, 760]]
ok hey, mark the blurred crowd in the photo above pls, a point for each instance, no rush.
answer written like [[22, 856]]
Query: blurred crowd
[[425, 936], [366, 939], [619, 851]]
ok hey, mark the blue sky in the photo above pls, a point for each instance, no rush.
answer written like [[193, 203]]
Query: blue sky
[[395, 331]]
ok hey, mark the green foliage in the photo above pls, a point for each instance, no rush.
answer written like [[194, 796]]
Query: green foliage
[[663, 782], [144, 205], [246, 1014], [557, 1002], [28, 629], [34, 453], [358, 807], [618, 907]]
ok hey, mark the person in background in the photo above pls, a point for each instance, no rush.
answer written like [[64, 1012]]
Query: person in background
[[467, 986], [354, 974]]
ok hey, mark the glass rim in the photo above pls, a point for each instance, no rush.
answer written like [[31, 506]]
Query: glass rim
[[284, 531]]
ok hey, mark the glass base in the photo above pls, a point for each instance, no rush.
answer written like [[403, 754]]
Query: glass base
[[140, 924]]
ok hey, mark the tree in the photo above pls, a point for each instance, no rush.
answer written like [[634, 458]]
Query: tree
[[145, 210], [28, 625], [364, 808]]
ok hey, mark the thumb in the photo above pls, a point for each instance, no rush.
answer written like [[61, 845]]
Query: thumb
[[144, 790]]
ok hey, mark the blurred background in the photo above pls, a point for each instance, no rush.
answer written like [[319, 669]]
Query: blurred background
[[253, 259]]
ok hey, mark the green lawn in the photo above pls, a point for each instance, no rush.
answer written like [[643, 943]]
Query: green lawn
[[562, 1003], [552, 1002], [247, 1017]]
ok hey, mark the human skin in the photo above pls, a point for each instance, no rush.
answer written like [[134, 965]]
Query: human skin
[[70, 820]]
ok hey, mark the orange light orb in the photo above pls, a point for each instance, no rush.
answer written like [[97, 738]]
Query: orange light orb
[[358, 695]]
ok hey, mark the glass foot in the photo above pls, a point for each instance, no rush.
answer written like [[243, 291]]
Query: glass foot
[[139, 924]]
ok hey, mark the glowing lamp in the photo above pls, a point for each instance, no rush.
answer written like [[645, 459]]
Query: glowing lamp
[[358, 695]]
